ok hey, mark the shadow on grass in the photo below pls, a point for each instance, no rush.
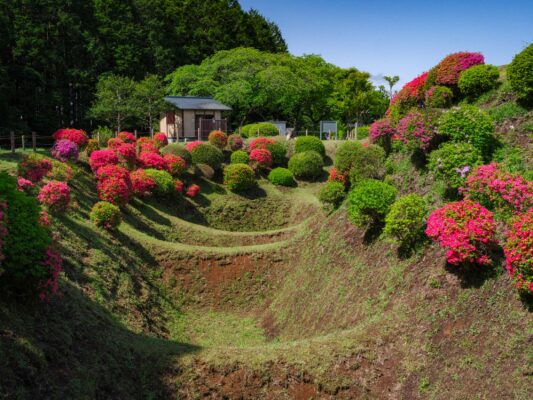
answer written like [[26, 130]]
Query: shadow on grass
[[373, 232], [408, 249]]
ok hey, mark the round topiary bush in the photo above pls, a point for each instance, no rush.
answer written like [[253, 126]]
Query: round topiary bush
[[520, 74], [141, 184], [178, 150], [279, 152], [99, 158], [369, 163], [438, 97], [160, 139], [346, 155], [207, 154], [55, 195], [469, 124], [478, 79], [34, 167], [261, 158], [406, 219], [218, 139], [239, 177], [332, 194], [114, 190], [175, 164], [282, 177], [309, 143], [518, 251], [152, 160], [105, 215], [415, 130], [239, 157], [261, 143], [64, 150], [235, 142], [260, 129], [452, 162], [306, 165], [163, 180], [447, 72], [381, 132], [370, 202]]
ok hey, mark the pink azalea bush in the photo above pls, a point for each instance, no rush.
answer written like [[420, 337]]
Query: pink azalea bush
[[77, 136], [178, 185], [414, 131], [382, 133], [114, 190], [127, 137], [192, 145], [141, 184], [261, 158], [152, 160], [55, 195], [127, 153], [53, 263], [519, 251], [64, 150], [466, 228], [192, 191], [175, 164], [114, 143], [160, 140], [100, 158], [34, 167], [113, 171], [24, 185], [261, 143], [448, 71], [413, 91], [498, 189]]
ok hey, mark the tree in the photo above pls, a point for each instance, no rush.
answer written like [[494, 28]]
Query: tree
[[392, 80], [115, 102], [149, 100]]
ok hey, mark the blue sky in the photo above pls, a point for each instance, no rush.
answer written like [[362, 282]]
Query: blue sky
[[402, 37]]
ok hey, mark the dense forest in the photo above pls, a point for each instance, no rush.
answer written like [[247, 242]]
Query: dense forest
[[53, 52]]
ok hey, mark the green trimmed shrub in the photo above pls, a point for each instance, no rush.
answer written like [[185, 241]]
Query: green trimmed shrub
[[163, 180], [282, 177], [438, 97], [26, 240], [479, 79], [103, 134], [452, 162], [346, 156], [306, 165], [469, 124], [278, 151], [105, 215], [520, 74], [239, 157], [239, 177], [370, 202], [208, 154], [406, 218], [332, 194], [369, 163], [260, 129], [178, 150], [309, 143]]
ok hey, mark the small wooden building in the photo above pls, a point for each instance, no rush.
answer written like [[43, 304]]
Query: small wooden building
[[193, 118]]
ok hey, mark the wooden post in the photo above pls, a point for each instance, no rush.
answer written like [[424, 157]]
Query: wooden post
[[23, 143], [135, 132], [98, 138], [306, 132], [12, 137], [34, 141], [199, 132]]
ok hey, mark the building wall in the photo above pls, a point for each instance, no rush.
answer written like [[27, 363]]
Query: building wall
[[187, 127]]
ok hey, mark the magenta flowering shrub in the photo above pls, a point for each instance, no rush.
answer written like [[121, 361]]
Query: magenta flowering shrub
[[192, 145], [114, 143], [141, 184], [53, 263], [127, 154], [382, 132], [466, 228], [261, 158], [55, 195], [519, 251], [160, 140], [235, 142], [99, 158], [192, 191], [113, 171], [152, 160], [127, 137], [261, 143], [24, 185], [448, 71], [77, 136], [34, 167], [114, 190], [178, 185], [412, 92], [64, 150], [175, 164], [413, 130], [498, 189]]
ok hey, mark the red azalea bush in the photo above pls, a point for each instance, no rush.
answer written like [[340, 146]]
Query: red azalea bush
[[160, 140], [192, 145], [235, 142], [336, 176], [99, 158], [127, 153], [127, 137], [141, 184], [261, 143], [175, 164], [261, 158], [64, 150], [448, 71], [147, 145], [113, 171], [466, 228], [192, 191], [114, 190], [414, 131], [152, 160], [24, 185], [34, 167], [519, 251], [178, 185], [218, 139], [496, 188], [412, 92], [114, 143], [77, 136], [55, 195]]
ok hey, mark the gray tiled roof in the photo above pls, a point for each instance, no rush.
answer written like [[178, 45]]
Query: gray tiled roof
[[196, 103]]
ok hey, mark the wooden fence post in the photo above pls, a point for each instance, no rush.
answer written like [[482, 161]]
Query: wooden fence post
[[34, 141], [12, 137], [306, 132], [23, 142], [135, 132], [98, 138]]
